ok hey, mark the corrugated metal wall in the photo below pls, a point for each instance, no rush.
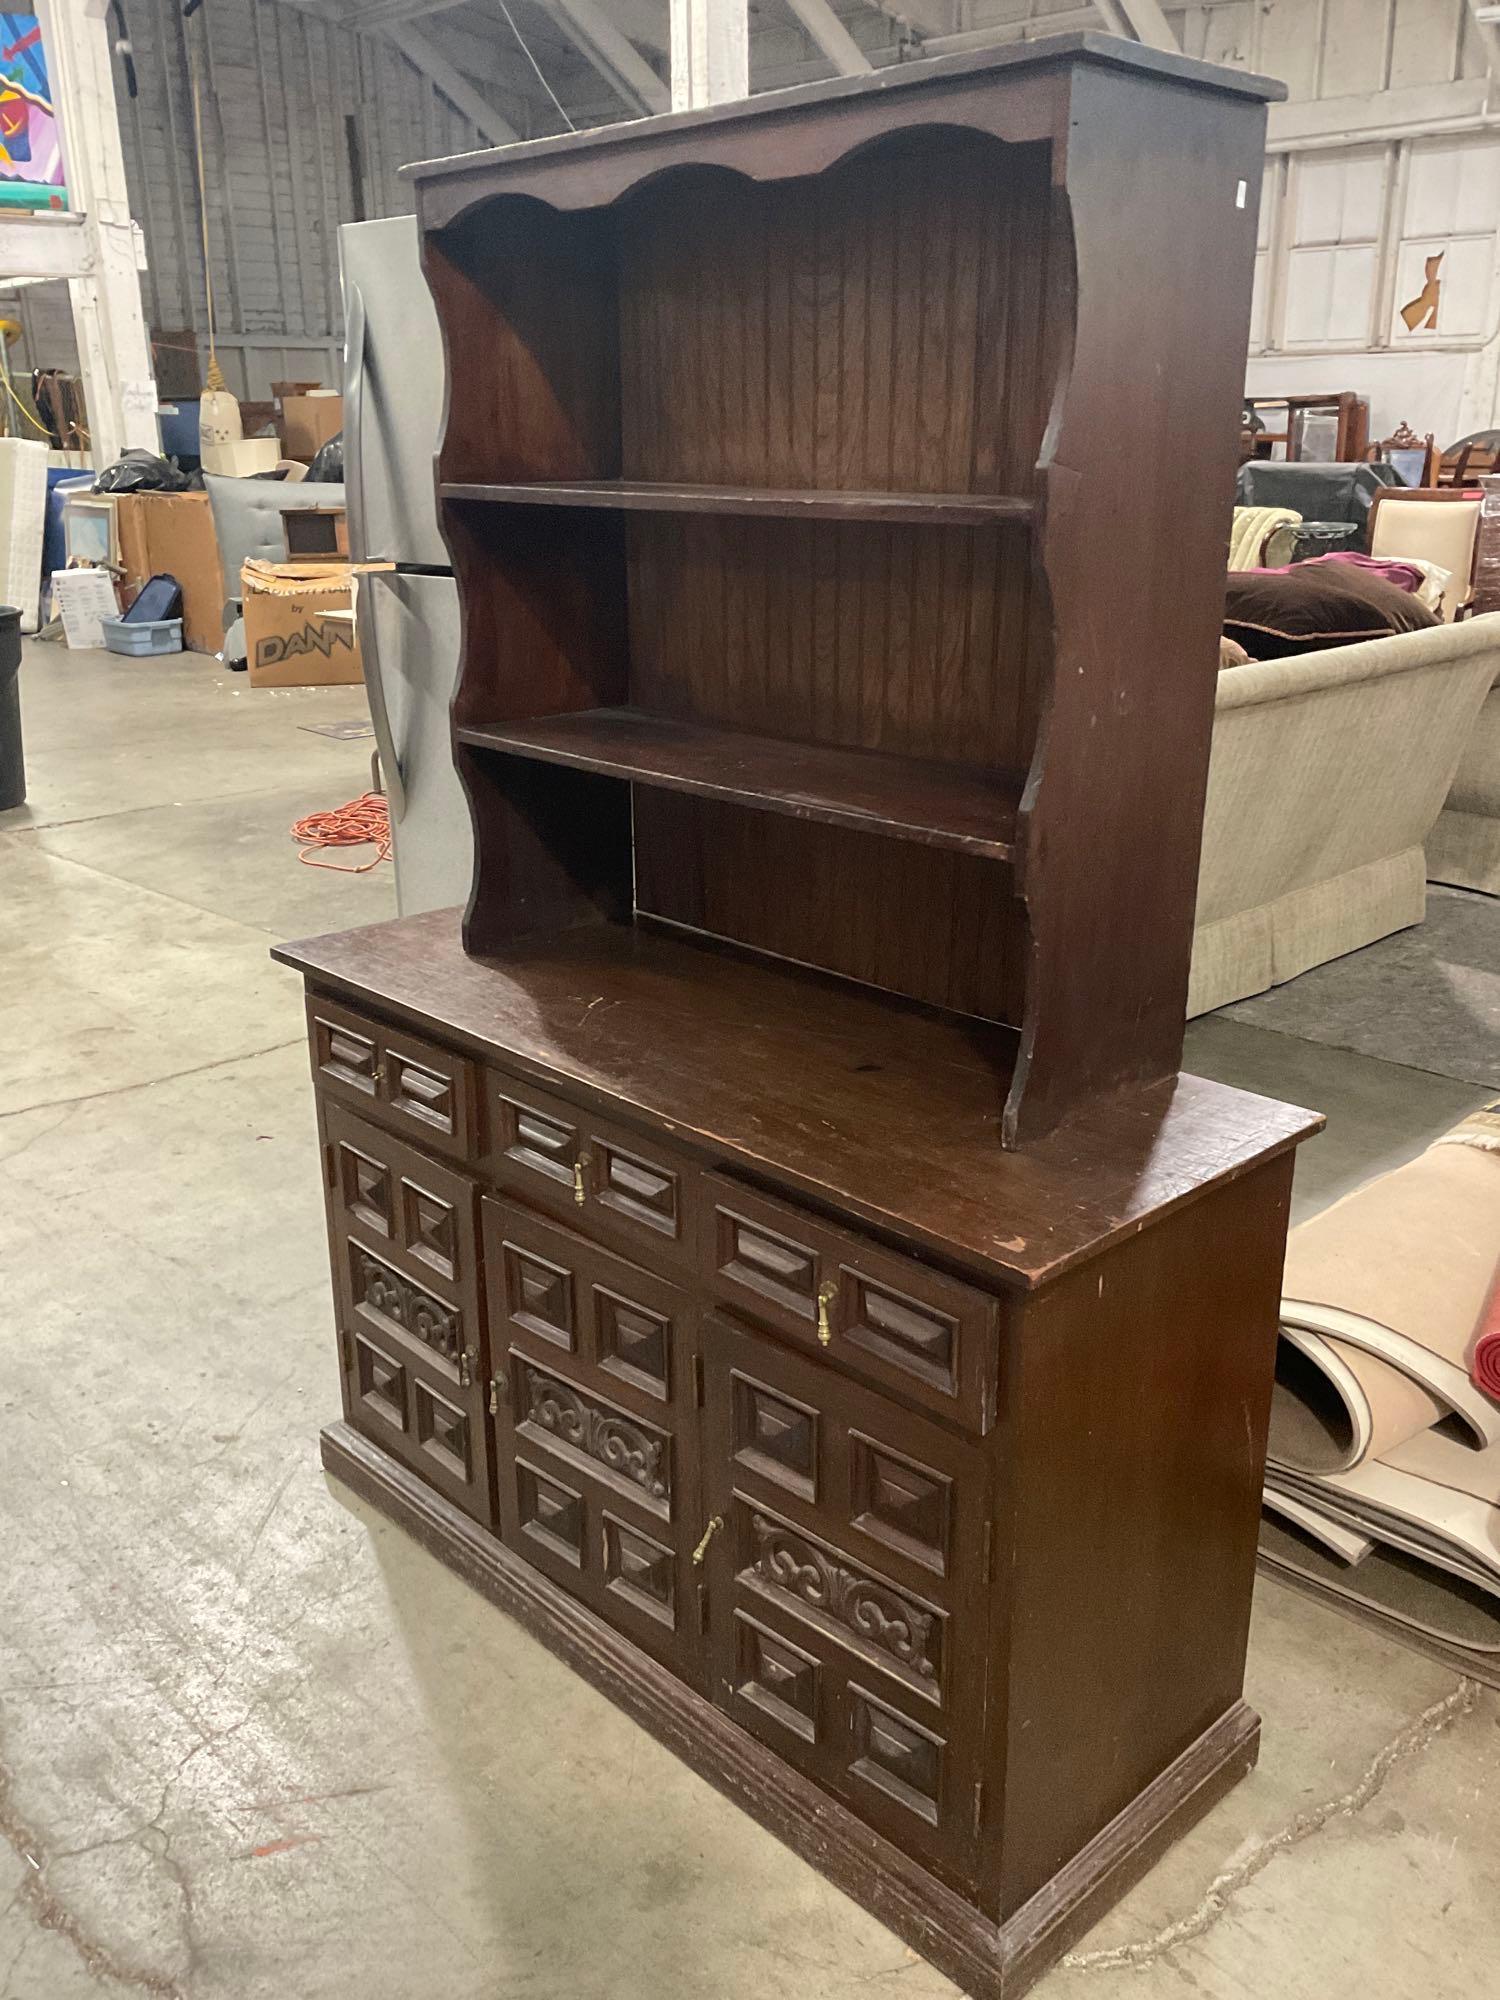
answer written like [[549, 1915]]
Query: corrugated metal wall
[[278, 89], [278, 93]]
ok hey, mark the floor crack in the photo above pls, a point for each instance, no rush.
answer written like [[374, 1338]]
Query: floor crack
[[50, 1913], [1415, 1737], [150, 1082]]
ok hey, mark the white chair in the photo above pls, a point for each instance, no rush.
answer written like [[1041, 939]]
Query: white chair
[[1436, 526]]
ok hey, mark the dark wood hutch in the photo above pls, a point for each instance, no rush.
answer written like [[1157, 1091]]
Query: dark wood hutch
[[775, 1254]]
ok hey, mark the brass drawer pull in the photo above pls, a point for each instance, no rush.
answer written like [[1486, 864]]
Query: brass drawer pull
[[708, 1534], [827, 1293], [499, 1393], [580, 1192]]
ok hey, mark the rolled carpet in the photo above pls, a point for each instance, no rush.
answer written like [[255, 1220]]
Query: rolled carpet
[[1395, 1591], [1383, 1478], [1381, 1297], [1484, 1366]]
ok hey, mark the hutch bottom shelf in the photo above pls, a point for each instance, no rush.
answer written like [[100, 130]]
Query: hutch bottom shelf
[[907, 1488]]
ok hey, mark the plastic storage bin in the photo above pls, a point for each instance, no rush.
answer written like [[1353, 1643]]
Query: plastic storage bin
[[144, 635]]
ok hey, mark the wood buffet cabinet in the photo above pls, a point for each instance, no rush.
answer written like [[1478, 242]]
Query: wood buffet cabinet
[[775, 1255]]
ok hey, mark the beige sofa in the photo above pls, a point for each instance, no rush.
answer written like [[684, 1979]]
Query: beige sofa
[[1464, 846], [1326, 777]]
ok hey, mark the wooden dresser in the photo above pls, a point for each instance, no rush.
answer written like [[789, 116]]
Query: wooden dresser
[[775, 1255]]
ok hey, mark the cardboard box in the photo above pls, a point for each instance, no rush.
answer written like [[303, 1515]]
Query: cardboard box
[[315, 534], [310, 421], [172, 534], [299, 626], [242, 459]]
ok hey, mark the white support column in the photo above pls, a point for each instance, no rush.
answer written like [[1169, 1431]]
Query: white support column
[[113, 347], [831, 36], [710, 52]]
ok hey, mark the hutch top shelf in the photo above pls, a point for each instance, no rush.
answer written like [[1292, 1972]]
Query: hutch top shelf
[[838, 486], [450, 185]]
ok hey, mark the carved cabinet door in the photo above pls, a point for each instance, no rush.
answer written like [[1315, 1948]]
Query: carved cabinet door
[[593, 1400], [412, 1349], [848, 1602]]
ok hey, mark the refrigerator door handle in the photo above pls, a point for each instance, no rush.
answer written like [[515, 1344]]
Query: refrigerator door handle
[[354, 419], [354, 500], [380, 715]]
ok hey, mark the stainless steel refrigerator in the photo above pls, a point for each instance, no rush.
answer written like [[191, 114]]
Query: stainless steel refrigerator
[[408, 617]]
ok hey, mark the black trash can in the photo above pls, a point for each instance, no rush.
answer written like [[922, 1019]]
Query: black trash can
[[12, 757]]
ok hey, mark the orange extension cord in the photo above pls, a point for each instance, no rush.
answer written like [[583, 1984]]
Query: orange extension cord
[[363, 821]]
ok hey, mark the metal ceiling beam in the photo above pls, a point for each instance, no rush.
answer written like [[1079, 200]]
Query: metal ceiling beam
[[1150, 25], [460, 93], [831, 36], [616, 58]]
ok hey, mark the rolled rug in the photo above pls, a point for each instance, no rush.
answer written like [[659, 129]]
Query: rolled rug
[[1350, 1545], [1405, 1552], [1454, 1530], [1396, 1591], [1380, 1300], [1484, 1364]]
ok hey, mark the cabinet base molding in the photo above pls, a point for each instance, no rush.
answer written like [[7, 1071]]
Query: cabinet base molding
[[990, 1961]]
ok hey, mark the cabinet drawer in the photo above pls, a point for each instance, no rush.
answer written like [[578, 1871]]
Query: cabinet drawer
[[412, 1348], [599, 1177], [912, 1330], [594, 1406], [849, 1589], [412, 1085]]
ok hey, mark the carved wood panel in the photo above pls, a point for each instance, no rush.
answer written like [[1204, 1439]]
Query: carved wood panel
[[594, 1417], [413, 1351], [848, 1589]]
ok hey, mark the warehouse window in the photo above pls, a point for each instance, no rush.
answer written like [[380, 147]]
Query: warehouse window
[[1449, 218], [1379, 247], [1333, 259]]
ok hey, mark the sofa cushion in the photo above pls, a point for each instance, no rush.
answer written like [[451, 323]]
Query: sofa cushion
[[1273, 613]]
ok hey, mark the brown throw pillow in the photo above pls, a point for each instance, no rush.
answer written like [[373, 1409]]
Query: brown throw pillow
[[1273, 612]]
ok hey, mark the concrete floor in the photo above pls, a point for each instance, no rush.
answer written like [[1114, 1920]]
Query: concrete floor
[[254, 1744]]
